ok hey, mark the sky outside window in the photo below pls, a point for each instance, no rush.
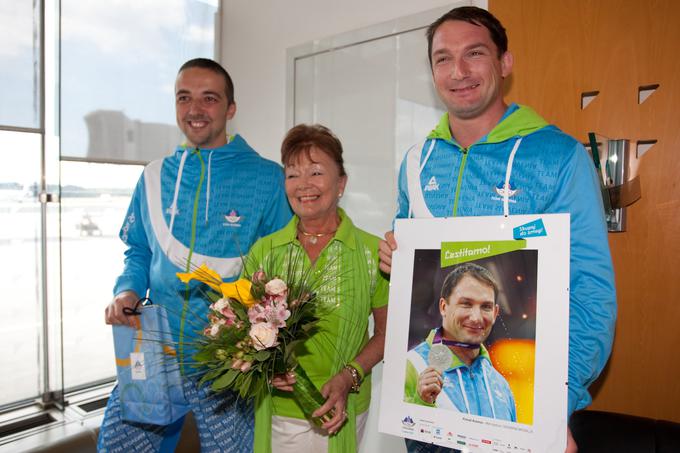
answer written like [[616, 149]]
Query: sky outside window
[[118, 68]]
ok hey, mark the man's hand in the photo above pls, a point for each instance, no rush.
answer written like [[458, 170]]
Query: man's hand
[[385, 252], [114, 312], [429, 385]]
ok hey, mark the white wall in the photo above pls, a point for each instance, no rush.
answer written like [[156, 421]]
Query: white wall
[[256, 35]]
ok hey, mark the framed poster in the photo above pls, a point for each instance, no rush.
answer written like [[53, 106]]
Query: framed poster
[[485, 305]]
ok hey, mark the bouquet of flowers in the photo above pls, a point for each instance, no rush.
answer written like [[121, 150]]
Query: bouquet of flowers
[[254, 325]]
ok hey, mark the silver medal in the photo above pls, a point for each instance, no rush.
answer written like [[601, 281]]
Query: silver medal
[[439, 357]]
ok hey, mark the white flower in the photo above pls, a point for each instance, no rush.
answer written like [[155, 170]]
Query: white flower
[[214, 329], [263, 335], [276, 287], [220, 304]]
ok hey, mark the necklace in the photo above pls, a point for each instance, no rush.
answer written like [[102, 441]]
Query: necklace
[[313, 238]]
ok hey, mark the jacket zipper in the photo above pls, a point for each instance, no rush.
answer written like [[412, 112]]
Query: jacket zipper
[[459, 182]]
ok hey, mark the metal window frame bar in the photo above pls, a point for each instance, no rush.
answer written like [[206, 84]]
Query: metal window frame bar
[[29, 130]]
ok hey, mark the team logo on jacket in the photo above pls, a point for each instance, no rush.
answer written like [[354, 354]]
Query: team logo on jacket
[[432, 184], [233, 219], [502, 188], [172, 210]]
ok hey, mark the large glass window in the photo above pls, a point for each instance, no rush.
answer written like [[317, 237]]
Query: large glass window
[[20, 267], [118, 67], [20, 68], [94, 200], [105, 73]]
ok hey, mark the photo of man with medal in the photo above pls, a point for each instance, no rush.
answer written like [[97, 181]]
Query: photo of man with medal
[[452, 369]]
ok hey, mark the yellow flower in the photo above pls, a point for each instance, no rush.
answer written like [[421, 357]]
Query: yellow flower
[[203, 274], [239, 290]]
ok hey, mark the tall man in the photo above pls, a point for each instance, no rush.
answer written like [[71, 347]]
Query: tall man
[[206, 203], [463, 379], [488, 158]]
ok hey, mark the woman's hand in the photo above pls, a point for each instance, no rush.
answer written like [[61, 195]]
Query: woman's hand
[[335, 391], [284, 382]]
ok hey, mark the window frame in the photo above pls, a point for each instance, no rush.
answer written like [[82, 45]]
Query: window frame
[[52, 393]]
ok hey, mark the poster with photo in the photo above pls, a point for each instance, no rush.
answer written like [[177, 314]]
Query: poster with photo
[[477, 333]]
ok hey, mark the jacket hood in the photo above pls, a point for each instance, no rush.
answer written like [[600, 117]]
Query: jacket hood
[[518, 121]]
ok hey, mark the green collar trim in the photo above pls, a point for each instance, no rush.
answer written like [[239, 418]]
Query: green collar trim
[[455, 361], [442, 131], [186, 147], [518, 121], [344, 234]]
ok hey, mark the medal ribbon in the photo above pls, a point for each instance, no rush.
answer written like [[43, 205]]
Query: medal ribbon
[[438, 338]]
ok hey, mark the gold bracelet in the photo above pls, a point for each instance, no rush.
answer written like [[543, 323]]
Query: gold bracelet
[[356, 378]]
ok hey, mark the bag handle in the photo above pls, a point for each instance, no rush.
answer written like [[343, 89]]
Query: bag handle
[[134, 311]]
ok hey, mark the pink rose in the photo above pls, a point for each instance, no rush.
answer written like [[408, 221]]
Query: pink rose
[[263, 335], [276, 287]]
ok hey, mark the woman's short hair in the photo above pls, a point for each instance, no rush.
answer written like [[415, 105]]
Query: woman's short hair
[[303, 137]]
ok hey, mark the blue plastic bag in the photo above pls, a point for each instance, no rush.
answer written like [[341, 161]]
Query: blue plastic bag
[[149, 379]]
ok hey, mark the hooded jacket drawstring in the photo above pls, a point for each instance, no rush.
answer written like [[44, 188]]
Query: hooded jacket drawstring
[[508, 172], [506, 187], [207, 191], [462, 390], [178, 181], [464, 393], [488, 392]]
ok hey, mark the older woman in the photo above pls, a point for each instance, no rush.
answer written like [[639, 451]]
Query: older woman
[[339, 356]]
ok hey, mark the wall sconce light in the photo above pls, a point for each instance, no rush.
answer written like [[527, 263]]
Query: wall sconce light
[[617, 171]]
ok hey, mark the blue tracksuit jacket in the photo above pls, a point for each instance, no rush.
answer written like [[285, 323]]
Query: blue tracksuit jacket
[[551, 173], [223, 200]]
